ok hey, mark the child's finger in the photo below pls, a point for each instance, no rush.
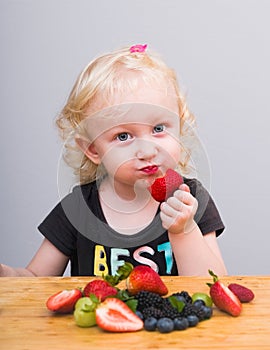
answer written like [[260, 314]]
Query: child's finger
[[183, 196], [169, 210], [175, 203], [184, 187], [167, 220]]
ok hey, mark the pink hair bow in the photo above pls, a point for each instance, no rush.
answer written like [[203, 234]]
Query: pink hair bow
[[138, 48]]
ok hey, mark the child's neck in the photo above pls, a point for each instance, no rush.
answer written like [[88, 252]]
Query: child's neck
[[128, 213], [123, 194]]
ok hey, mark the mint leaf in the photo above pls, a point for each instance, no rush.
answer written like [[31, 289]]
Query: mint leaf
[[132, 304], [177, 304], [94, 298]]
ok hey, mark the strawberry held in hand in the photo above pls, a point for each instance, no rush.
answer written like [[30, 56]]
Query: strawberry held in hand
[[164, 187], [143, 277], [223, 297]]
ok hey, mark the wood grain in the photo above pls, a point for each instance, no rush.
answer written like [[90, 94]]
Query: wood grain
[[27, 324]]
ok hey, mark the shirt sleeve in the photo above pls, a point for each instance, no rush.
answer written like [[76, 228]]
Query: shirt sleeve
[[207, 216], [59, 228]]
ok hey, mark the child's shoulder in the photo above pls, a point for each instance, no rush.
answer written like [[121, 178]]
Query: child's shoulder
[[197, 189], [84, 187], [85, 191], [192, 182]]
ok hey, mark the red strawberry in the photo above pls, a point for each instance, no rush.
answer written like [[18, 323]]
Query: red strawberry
[[164, 187], [145, 278], [244, 294], [64, 301], [224, 298], [115, 316], [100, 288]]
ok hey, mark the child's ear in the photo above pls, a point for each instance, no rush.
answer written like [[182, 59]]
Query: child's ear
[[88, 149]]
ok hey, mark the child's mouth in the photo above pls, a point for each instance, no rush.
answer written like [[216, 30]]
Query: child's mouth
[[151, 169]]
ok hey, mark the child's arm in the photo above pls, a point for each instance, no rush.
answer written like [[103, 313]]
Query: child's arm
[[194, 253], [48, 261]]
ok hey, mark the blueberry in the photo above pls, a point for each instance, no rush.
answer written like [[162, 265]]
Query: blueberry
[[150, 324], [193, 320], [180, 323], [207, 312], [199, 303], [165, 325]]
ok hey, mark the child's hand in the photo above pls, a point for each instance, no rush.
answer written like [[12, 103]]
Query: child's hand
[[178, 211]]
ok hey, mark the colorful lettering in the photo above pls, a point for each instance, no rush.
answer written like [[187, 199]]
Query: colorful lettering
[[115, 263], [167, 249], [145, 249], [100, 261]]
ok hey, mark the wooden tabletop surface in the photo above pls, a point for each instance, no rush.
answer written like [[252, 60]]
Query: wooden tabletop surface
[[25, 322]]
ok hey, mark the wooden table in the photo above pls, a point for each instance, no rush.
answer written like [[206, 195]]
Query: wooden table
[[25, 322]]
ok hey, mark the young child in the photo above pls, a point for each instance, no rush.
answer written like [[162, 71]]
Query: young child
[[123, 126]]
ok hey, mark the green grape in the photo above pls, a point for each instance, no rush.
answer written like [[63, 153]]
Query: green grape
[[202, 296], [85, 318]]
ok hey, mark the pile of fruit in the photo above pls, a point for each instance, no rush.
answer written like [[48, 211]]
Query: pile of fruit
[[145, 303]]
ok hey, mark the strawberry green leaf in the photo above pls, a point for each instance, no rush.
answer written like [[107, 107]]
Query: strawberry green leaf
[[121, 274], [215, 277], [124, 271]]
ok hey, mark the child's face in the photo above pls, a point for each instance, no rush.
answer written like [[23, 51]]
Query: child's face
[[137, 138]]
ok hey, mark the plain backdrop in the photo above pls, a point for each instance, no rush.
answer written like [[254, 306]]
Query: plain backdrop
[[220, 50]]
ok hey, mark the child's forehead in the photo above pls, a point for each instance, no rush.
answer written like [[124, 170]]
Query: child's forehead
[[129, 114], [136, 88]]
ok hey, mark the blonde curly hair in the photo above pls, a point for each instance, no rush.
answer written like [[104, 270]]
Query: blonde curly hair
[[103, 77]]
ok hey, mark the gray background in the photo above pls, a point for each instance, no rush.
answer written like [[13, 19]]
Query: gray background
[[221, 53]]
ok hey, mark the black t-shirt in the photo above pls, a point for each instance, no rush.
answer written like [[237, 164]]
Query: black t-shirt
[[78, 228]]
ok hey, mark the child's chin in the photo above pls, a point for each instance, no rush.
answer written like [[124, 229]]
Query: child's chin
[[143, 184]]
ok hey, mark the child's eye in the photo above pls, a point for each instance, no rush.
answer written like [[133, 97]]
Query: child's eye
[[124, 136], [159, 128]]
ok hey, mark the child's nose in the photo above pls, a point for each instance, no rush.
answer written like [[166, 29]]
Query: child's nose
[[146, 149]]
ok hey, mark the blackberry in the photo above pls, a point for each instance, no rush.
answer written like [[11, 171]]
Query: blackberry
[[168, 310], [171, 313], [147, 299], [190, 309], [200, 314], [185, 295], [151, 311]]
